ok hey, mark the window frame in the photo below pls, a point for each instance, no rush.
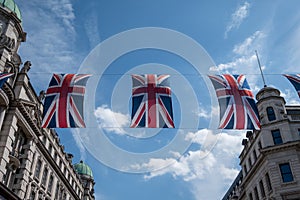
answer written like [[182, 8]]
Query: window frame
[[45, 176], [286, 176], [38, 167], [256, 193], [50, 184], [270, 113], [262, 189], [269, 183], [277, 139]]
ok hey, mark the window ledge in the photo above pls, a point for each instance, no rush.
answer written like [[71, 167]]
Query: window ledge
[[288, 183]]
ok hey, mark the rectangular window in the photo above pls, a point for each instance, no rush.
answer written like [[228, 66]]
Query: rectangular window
[[57, 191], [256, 193], [44, 177], [259, 145], [262, 189], [269, 185], [55, 157], [254, 155], [286, 172], [38, 168], [271, 114], [50, 149], [50, 184], [250, 196], [245, 169], [32, 195], [249, 162], [276, 137]]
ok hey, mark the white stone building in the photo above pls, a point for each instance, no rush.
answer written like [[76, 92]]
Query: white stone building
[[270, 160], [33, 164]]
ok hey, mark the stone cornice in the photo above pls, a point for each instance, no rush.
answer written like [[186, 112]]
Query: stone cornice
[[5, 98], [26, 120], [284, 146], [9, 91]]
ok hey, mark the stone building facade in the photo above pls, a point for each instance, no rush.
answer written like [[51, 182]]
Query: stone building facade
[[33, 163], [270, 159]]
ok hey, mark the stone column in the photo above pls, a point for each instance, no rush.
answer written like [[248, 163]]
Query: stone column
[[25, 169], [7, 136]]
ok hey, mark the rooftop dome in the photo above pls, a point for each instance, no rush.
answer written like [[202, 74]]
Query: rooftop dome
[[83, 169], [11, 5]]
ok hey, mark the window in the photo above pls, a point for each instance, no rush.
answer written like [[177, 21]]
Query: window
[[259, 145], [57, 191], [250, 196], [44, 177], [268, 182], [262, 190], [60, 195], [18, 143], [286, 172], [60, 165], [245, 169], [64, 196], [38, 168], [50, 184], [276, 137], [44, 140], [249, 162], [50, 149], [254, 155], [32, 195], [256, 193], [55, 156], [271, 114]]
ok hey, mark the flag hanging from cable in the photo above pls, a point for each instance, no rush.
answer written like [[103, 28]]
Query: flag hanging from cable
[[237, 106], [295, 80], [63, 106], [151, 101], [4, 77]]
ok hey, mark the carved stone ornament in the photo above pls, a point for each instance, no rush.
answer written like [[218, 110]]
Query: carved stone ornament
[[6, 41], [26, 67], [1, 27], [16, 59]]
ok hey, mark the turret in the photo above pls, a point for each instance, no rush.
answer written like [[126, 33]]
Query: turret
[[270, 105], [86, 176], [11, 36]]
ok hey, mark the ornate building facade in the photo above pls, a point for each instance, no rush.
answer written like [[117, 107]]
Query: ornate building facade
[[270, 160], [33, 163]]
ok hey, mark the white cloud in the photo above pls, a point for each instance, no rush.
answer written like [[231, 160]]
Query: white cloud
[[91, 29], [202, 113], [50, 39], [245, 60], [250, 44], [63, 10], [238, 17], [79, 143], [206, 167], [290, 96], [292, 52], [112, 121]]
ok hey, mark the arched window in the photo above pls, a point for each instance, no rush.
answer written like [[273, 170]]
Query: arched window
[[271, 114]]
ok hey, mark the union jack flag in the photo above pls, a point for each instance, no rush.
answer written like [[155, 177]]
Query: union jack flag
[[237, 106], [4, 77], [295, 80], [151, 101], [63, 106]]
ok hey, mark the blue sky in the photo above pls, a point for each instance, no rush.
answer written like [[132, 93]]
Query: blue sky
[[191, 162]]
